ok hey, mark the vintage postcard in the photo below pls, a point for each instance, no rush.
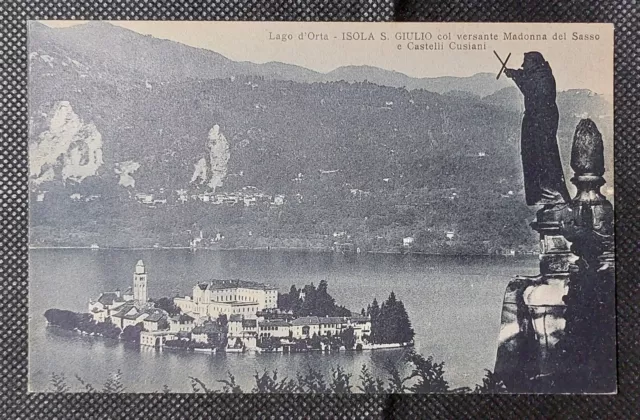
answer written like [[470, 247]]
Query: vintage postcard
[[321, 207]]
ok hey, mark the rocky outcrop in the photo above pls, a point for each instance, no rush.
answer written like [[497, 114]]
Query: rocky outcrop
[[213, 170], [125, 170], [68, 145]]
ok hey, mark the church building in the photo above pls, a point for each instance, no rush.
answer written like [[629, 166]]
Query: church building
[[110, 304], [140, 283]]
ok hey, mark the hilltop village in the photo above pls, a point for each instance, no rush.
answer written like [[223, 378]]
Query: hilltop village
[[238, 316]]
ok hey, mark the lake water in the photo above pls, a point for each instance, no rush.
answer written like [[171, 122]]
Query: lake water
[[454, 304]]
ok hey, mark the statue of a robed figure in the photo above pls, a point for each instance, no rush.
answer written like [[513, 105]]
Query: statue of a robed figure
[[543, 176], [558, 327]]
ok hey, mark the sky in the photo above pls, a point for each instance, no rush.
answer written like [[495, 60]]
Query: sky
[[577, 64]]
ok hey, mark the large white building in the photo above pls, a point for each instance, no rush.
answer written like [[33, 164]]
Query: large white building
[[229, 297]]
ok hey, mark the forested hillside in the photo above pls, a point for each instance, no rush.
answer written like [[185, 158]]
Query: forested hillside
[[354, 162]]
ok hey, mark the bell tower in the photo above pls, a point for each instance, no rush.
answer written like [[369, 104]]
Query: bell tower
[[140, 283]]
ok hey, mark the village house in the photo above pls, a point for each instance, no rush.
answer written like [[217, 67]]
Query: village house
[[183, 197], [155, 338], [156, 320], [305, 327], [278, 200], [207, 332], [331, 326], [106, 304], [361, 327], [234, 325], [181, 323], [144, 198], [40, 196], [128, 315], [274, 328], [241, 331], [407, 242], [249, 201]]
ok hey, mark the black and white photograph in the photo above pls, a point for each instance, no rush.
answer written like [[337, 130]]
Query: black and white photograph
[[271, 207]]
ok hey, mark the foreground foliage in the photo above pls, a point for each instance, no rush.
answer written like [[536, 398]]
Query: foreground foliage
[[425, 376]]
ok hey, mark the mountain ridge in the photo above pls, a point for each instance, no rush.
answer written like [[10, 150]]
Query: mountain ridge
[[208, 64]]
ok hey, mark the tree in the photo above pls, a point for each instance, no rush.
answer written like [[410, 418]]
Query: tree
[[132, 333], [313, 382], [316, 302], [348, 338], [59, 383], [340, 381], [107, 329], [163, 324], [269, 384], [390, 322], [67, 320], [322, 303], [114, 384], [396, 381], [167, 305], [491, 384], [430, 375], [369, 384]]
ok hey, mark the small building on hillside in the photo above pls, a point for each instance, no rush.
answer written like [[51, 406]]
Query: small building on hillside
[[278, 200]]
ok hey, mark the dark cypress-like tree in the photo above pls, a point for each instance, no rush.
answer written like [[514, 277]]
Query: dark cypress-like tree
[[374, 313], [390, 322]]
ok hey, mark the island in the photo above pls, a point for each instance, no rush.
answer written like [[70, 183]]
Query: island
[[237, 316]]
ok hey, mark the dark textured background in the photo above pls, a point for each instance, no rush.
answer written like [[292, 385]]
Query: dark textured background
[[15, 403]]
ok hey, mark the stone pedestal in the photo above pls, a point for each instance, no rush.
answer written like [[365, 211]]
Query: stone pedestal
[[558, 328]]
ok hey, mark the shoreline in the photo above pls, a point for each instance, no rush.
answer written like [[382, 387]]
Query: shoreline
[[205, 350], [278, 249]]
